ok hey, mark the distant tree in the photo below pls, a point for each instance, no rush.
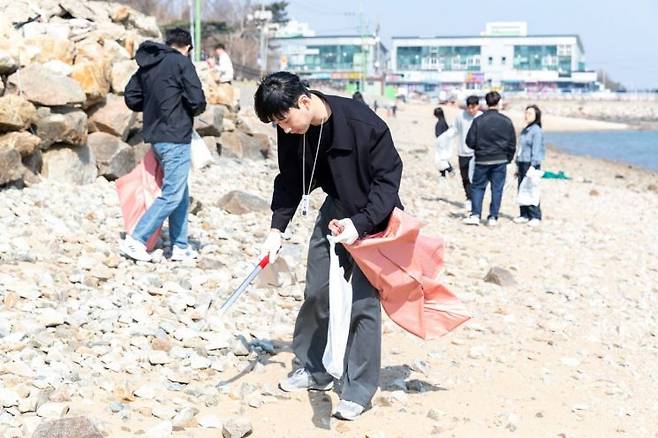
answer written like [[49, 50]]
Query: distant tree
[[603, 77], [279, 12]]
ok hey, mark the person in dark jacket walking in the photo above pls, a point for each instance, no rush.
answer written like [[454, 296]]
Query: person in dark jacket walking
[[344, 148], [167, 89], [493, 140]]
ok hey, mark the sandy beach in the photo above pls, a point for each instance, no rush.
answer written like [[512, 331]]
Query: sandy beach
[[570, 350]]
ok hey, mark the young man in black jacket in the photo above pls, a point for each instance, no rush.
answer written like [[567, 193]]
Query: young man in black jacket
[[493, 140], [343, 147], [167, 89]]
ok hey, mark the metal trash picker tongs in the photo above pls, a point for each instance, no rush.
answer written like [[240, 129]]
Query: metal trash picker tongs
[[243, 286]]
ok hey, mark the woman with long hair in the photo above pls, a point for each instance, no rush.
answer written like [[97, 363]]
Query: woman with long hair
[[443, 142], [530, 154]]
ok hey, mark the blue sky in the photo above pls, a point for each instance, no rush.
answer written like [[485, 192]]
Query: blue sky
[[620, 37]]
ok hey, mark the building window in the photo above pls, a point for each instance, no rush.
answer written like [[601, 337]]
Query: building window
[[503, 60], [490, 60]]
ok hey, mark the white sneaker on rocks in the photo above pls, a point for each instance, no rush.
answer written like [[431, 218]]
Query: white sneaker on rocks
[[492, 222], [134, 249], [521, 220], [302, 380], [534, 223], [347, 410], [472, 220], [180, 255]]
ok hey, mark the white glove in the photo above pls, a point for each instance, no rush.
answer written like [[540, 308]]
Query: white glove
[[349, 233], [272, 245]]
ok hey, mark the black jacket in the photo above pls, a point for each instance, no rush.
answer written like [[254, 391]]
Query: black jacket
[[492, 137], [363, 162], [167, 89]]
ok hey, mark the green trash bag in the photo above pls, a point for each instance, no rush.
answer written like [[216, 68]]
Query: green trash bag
[[552, 175]]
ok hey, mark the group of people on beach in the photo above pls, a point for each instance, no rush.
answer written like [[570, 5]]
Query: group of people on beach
[[487, 144], [324, 141]]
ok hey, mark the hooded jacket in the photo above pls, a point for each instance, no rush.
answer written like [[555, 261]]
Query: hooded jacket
[[167, 89]]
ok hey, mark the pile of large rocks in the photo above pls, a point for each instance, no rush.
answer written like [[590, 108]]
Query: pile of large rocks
[[63, 67]]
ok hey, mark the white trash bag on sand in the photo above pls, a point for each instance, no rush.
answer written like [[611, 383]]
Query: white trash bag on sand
[[199, 154]]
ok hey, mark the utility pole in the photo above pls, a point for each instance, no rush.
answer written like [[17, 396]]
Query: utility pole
[[191, 12], [197, 29]]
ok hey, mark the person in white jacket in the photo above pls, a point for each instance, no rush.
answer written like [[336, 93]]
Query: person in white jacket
[[223, 64], [465, 154]]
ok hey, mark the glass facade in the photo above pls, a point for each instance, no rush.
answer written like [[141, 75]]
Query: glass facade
[[328, 58], [537, 58], [446, 58]]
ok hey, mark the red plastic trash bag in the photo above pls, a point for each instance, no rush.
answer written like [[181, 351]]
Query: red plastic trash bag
[[404, 266], [137, 191]]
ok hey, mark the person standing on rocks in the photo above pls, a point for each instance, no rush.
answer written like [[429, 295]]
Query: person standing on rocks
[[531, 153], [462, 124], [343, 147], [493, 140], [167, 89]]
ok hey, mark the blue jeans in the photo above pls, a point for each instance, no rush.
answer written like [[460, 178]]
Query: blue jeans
[[494, 174], [174, 200]]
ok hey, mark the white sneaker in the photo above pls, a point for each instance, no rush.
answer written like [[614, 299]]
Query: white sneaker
[[472, 220], [347, 410], [534, 223], [521, 220], [492, 222], [180, 255], [134, 249], [302, 380]]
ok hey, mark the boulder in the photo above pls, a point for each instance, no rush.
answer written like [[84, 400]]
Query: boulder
[[61, 91], [114, 158], [222, 94], [58, 68], [114, 51], [500, 276], [94, 78], [78, 9], [21, 141], [73, 165], [76, 427], [112, 116], [121, 73], [52, 48], [11, 168], [239, 202], [210, 123], [145, 25], [236, 427], [16, 113], [61, 125], [131, 41], [8, 63], [237, 144]]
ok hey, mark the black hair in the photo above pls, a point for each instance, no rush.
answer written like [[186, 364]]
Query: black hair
[[358, 96], [492, 98], [537, 120], [178, 37], [441, 124], [220, 46], [472, 100], [276, 94]]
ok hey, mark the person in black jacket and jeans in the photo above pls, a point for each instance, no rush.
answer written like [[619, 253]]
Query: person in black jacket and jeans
[[493, 140], [343, 147], [167, 89]]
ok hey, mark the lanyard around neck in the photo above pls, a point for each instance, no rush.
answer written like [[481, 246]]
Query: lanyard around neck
[[306, 191]]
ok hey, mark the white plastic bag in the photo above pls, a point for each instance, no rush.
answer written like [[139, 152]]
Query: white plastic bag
[[199, 153], [340, 313], [443, 150], [529, 188]]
